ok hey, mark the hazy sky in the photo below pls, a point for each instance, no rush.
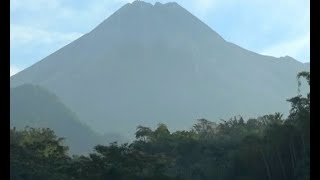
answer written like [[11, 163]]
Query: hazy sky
[[270, 27]]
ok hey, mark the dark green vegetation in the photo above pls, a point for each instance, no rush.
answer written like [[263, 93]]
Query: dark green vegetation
[[265, 148], [38, 108]]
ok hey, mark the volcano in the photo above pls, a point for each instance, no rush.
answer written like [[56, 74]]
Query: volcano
[[157, 63]]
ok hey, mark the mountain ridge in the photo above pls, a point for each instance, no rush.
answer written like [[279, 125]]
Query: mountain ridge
[[146, 65], [159, 4], [47, 111]]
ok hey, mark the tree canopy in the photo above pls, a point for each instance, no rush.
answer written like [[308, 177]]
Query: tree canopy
[[269, 147]]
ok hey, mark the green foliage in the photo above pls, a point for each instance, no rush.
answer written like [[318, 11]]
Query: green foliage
[[34, 106], [37, 154], [266, 148]]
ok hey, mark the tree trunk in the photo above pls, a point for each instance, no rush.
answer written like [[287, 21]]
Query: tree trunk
[[283, 170], [291, 154], [266, 165], [294, 153], [303, 145]]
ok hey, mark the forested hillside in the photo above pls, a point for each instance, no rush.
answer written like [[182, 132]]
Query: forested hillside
[[36, 107], [270, 147]]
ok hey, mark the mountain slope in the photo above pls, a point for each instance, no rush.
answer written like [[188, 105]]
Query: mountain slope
[[147, 64], [34, 106]]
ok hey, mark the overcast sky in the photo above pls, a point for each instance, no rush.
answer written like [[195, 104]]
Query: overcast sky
[[270, 27]]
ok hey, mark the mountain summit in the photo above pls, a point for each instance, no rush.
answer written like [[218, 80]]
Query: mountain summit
[[147, 64]]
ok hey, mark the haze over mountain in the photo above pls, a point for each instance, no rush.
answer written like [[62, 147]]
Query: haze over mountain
[[147, 64], [36, 107]]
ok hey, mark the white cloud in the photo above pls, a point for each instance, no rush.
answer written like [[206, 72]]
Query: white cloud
[[204, 4], [14, 70], [296, 48], [25, 35], [48, 22], [276, 28], [33, 5], [200, 8]]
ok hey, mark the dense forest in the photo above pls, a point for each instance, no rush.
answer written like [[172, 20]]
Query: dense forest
[[37, 107], [270, 147]]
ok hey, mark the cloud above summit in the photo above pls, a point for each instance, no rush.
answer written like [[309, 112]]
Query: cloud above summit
[[273, 27]]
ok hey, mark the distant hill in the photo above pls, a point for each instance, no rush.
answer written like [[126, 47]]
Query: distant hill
[[147, 64], [34, 106]]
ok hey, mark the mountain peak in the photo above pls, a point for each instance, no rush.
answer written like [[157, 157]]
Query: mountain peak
[[129, 61], [157, 4], [140, 3], [144, 19], [288, 58], [143, 4]]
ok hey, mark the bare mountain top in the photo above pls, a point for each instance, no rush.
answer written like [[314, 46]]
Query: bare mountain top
[[147, 64]]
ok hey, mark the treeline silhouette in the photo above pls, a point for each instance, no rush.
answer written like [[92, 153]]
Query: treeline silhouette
[[270, 147]]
